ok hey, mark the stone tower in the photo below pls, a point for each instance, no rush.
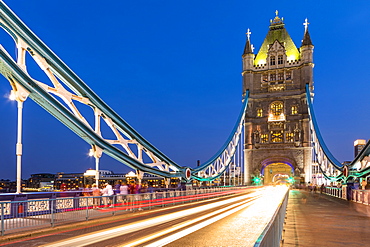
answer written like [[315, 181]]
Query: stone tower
[[277, 133]]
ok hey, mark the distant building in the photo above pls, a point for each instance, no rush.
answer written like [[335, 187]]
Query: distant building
[[69, 181], [359, 144], [9, 186], [41, 180]]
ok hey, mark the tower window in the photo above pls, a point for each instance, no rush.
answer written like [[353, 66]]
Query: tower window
[[280, 59], [288, 75], [294, 110], [289, 137], [273, 77], [259, 112], [280, 76], [276, 108], [264, 138], [276, 136], [265, 77], [272, 60]]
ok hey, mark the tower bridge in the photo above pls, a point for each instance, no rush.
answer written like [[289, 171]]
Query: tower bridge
[[275, 137], [275, 140]]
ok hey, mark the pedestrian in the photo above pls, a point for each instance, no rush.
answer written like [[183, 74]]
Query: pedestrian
[[134, 188], [96, 194], [123, 189], [87, 190], [322, 188], [117, 188], [107, 194]]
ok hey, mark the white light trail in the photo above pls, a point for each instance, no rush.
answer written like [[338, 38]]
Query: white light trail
[[229, 209], [268, 203], [106, 234]]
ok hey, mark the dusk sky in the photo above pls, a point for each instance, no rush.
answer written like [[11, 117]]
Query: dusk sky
[[172, 70]]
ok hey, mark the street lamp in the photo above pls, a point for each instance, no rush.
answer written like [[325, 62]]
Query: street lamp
[[19, 94], [97, 153]]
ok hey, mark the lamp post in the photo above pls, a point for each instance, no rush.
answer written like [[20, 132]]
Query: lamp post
[[20, 95], [97, 153]]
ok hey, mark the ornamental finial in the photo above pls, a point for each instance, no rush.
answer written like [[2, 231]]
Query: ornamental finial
[[248, 33], [305, 24]]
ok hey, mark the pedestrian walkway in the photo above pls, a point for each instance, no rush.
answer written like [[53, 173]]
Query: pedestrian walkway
[[315, 219]]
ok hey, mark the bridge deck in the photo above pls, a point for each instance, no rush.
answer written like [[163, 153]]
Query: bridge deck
[[322, 220]]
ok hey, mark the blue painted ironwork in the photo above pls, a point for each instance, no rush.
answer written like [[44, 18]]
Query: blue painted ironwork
[[61, 75]]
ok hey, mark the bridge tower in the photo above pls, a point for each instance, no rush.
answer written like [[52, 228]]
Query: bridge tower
[[277, 134]]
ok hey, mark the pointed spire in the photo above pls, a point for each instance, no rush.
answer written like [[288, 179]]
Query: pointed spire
[[306, 38], [248, 47]]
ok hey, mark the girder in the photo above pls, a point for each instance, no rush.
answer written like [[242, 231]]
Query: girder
[[59, 96], [331, 168], [61, 77]]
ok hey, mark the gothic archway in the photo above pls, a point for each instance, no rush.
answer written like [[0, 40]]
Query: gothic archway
[[276, 171]]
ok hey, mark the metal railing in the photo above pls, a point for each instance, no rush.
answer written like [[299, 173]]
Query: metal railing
[[42, 213], [272, 234]]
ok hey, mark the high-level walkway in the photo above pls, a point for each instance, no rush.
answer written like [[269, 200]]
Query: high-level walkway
[[315, 219]]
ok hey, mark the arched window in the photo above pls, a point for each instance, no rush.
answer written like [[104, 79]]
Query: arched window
[[272, 60], [294, 110], [276, 108], [259, 112]]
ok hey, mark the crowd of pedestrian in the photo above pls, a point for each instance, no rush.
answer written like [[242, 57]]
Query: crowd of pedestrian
[[121, 190]]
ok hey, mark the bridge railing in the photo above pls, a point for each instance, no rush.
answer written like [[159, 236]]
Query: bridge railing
[[272, 234], [41, 213], [334, 191], [360, 196]]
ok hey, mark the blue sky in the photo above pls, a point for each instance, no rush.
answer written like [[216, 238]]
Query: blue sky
[[172, 70]]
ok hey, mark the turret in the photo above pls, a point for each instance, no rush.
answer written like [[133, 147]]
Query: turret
[[306, 50], [307, 46], [248, 55], [248, 58]]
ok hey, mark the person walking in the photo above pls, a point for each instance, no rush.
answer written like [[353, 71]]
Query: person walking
[[124, 189], [96, 194], [107, 194]]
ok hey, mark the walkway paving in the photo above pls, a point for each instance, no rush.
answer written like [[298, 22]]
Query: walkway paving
[[325, 221]]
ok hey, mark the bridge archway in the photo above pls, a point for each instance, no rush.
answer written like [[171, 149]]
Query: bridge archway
[[277, 171]]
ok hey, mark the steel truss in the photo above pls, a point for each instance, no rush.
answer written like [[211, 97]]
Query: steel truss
[[65, 89]]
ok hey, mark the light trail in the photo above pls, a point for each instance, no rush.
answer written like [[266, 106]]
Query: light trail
[[229, 210], [106, 234], [267, 203]]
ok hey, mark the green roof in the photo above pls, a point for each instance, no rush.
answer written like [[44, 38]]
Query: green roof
[[277, 32]]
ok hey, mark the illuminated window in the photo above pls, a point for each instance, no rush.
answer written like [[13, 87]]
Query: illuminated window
[[264, 138], [259, 112], [265, 77], [294, 110], [276, 108], [280, 59], [273, 77], [272, 60], [281, 76], [288, 75], [276, 136], [289, 137]]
